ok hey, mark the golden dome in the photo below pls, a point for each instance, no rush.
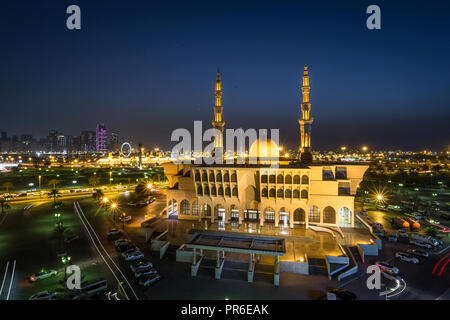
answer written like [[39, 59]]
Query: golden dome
[[264, 151]]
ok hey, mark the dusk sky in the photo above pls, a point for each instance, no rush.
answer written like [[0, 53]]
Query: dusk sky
[[146, 68]]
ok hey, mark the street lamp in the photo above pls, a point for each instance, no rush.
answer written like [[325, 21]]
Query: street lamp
[[65, 260], [364, 148], [113, 209], [123, 220]]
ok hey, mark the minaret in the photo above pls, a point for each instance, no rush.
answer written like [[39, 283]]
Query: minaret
[[305, 121], [217, 123]]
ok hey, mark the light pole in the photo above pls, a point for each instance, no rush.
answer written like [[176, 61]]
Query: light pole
[[65, 260], [123, 221], [113, 208]]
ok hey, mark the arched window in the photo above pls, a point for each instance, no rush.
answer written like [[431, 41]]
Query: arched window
[[213, 191], [206, 190], [304, 194], [197, 176], [314, 214], [220, 191], [329, 215], [211, 177], [219, 177], [206, 210], [226, 177], [288, 179], [287, 193], [296, 179], [185, 207], [280, 179], [235, 192], [204, 176], [233, 177], [272, 178], [234, 213], [199, 190], [296, 194], [196, 208], [299, 215], [264, 178], [305, 179], [264, 192], [272, 193], [280, 193], [227, 191]]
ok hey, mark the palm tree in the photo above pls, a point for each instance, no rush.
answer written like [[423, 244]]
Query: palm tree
[[60, 232], [7, 185], [98, 195], [94, 181], [54, 193], [4, 204], [53, 182]]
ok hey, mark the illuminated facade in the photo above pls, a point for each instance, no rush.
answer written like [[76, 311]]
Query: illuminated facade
[[218, 123], [293, 193], [305, 121]]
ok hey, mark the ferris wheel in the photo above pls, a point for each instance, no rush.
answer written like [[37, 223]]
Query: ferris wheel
[[125, 149]]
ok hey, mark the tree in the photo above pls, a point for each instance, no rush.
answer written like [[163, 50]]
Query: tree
[[431, 231], [94, 181], [7, 185], [4, 204], [53, 182], [60, 232]]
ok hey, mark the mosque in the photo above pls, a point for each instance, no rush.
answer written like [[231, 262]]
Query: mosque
[[300, 192]]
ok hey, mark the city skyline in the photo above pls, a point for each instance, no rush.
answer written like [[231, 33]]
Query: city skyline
[[367, 87]]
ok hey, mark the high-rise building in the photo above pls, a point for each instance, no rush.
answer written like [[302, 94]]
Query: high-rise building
[[305, 121], [87, 141], [101, 138]]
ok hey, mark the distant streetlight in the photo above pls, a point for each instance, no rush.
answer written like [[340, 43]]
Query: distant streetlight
[[149, 186], [364, 148], [343, 148]]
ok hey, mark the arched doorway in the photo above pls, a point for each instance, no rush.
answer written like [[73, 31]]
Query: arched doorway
[[219, 213], [185, 208], [345, 217], [284, 217], [299, 215], [329, 215], [206, 210], [269, 215]]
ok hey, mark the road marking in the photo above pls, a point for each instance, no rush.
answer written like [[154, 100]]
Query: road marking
[[110, 258], [80, 212], [4, 278], [12, 278]]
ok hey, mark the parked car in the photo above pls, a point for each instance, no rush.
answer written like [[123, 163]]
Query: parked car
[[393, 236], [43, 295], [43, 274], [406, 257], [140, 264], [403, 234], [421, 244], [72, 238], [125, 247], [387, 267], [121, 241], [114, 232], [148, 280], [144, 271], [343, 294], [417, 252], [92, 288], [132, 255], [379, 232], [377, 225]]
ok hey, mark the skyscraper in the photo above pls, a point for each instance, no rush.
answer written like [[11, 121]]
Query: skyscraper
[[101, 138]]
